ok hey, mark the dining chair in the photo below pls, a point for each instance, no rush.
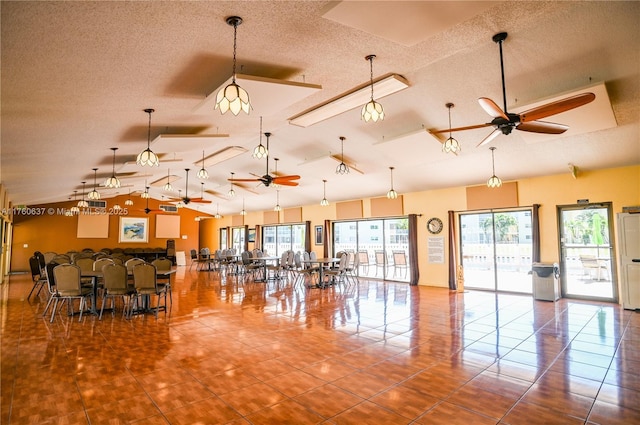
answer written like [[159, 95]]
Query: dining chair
[[194, 259], [39, 279], [306, 273], [363, 261], [337, 275], [131, 263], [69, 288], [51, 286], [381, 261], [400, 263], [146, 285], [115, 280], [164, 264], [48, 256]]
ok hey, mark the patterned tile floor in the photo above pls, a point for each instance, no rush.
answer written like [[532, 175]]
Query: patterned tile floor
[[374, 353]]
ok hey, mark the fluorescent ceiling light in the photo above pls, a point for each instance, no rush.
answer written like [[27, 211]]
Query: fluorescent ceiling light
[[221, 155], [355, 98]]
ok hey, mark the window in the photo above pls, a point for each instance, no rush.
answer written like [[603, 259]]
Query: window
[[280, 238]]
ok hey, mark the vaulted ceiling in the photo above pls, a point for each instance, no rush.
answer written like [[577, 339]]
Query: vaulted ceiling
[[77, 76]]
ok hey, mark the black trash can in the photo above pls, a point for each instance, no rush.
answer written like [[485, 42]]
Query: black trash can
[[546, 281]]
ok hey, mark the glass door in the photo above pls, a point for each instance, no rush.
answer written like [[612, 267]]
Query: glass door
[[586, 252], [496, 250]]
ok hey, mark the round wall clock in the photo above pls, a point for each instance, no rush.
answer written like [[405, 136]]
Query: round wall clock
[[434, 225]]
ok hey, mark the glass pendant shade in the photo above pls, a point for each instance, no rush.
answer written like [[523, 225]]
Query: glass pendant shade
[[117, 207], [494, 181], [203, 174], [217, 215], [113, 182], [74, 209], [233, 97], [129, 201], [147, 157], [231, 192], [372, 111], [145, 194]]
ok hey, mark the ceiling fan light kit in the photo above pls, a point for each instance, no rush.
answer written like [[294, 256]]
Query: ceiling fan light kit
[[147, 157], [233, 97], [372, 110]]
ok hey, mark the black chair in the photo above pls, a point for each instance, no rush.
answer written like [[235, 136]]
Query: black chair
[[39, 278]]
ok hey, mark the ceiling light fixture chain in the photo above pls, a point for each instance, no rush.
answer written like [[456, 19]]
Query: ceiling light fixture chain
[[113, 182], [392, 194], [451, 144], [324, 201], [342, 168], [494, 181], [372, 111], [233, 97], [147, 157]]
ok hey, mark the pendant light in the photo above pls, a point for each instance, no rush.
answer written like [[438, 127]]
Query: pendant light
[[392, 194], [451, 144], [201, 190], [147, 157], [324, 201], [231, 192], [260, 151], [113, 182], [243, 212], [372, 111], [494, 181], [145, 194], [116, 207], [275, 173], [342, 168], [180, 204], [94, 194], [233, 97], [167, 185], [217, 215], [277, 207], [83, 203], [74, 209], [203, 173], [128, 202]]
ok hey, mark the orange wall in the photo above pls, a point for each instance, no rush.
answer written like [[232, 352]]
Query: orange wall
[[53, 232]]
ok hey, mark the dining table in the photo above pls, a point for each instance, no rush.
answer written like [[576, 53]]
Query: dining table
[[323, 264], [263, 261]]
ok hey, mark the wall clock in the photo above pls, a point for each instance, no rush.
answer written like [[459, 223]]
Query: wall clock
[[434, 225]]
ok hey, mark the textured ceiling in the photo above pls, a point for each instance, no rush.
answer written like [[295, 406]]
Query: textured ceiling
[[76, 77]]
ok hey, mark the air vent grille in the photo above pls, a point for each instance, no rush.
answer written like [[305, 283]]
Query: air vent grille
[[97, 204], [169, 208]]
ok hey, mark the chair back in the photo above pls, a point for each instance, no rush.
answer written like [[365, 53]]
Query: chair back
[[305, 255], [34, 265], [48, 256], [363, 257], [313, 256], [114, 276], [356, 260], [246, 258], [297, 260], [132, 262], [51, 279], [399, 258], [100, 263], [344, 262], [67, 278], [61, 259], [162, 264], [194, 254], [380, 258], [42, 260], [85, 263], [144, 276]]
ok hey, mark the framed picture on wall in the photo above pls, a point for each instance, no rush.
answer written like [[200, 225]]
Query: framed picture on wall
[[252, 235], [133, 229], [318, 233]]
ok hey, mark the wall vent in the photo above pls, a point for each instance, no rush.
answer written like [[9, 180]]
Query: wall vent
[[169, 208], [97, 204]]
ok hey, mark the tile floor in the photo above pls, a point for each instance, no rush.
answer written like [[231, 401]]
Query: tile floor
[[374, 353]]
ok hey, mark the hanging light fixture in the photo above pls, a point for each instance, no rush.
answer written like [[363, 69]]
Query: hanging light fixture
[[494, 181], [147, 157], [233, 97], [180, 204], [145, 194], [203, 173], [342, 168], [167, 185], [113, 182], [94, 194], [83, 203], [372, 111], [324, 201], [392, 194], [260, 151], [231, 192], [201, 190], [74, 209], [275, 173], [217, 215], [116, 207], [451, 144], [128, 202], [277, 207], [243, 212]]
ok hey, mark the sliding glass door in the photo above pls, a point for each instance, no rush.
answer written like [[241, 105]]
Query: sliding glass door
[[496, 248], [284, 237]]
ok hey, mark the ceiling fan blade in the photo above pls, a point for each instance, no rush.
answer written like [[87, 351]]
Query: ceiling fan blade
[[244, 180], [200, 200], [491, 108], [280, 178], [542, 127], [490, 137], [557, 107], [286, 183], [468, 127]]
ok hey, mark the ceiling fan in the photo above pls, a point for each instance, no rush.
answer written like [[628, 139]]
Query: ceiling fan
[[268, 179], [186, 200], [504, 122], [148, 210]]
